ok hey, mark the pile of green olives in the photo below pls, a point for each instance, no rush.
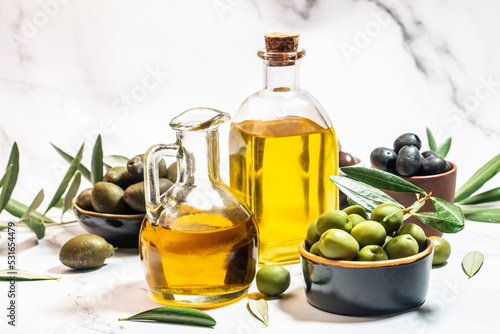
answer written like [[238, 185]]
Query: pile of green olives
[[405, 158], [349, 234], [122, 188]]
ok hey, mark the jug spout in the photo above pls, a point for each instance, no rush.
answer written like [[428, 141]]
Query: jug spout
[[196, 119], [196, 150]]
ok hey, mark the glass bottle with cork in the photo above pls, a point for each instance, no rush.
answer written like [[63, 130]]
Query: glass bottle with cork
[[283, 149]]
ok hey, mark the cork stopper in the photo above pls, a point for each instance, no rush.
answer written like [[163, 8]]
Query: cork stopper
[[282, 41]]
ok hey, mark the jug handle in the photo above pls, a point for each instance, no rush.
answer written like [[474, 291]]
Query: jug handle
[[152, 179]]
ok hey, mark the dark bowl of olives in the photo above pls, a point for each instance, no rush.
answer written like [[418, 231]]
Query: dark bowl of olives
[[120, 230], [366, 288]]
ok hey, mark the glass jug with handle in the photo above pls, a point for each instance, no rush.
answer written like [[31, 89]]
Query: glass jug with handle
[[198, 243]]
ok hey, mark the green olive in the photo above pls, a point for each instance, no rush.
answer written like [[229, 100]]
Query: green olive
[[372, 253], [85, 251], [442, 250], [119, 176], [415, 231], [134, 194], [135, 167], [84, 200], [315, 249], [356, 209], [392, 223], [272, 280], [333, 219], [338, 245], [401, 246], [356, 219], [107, 197], [369, 233], [312, 234]]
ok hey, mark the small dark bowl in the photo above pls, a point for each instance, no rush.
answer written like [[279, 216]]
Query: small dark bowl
[[119, 230], [364, 288]]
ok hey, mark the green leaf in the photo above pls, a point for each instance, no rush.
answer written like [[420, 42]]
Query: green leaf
[[34, 205], [17, 209], [64, 184], [365, 195], [443, 150], [472, 262], [485, 197], [116, 160], [433, 220], [4, 177], [381, 180], [23, 275], [448, 211], [431, 140], [84, 170], [259, 309], [96, 172], [486, 215], [177, 315], [10, 178], [36, 226], [72, 191], [490, 169]]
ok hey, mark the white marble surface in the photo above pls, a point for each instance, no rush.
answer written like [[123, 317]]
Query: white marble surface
[[72, 69], [91, 302]]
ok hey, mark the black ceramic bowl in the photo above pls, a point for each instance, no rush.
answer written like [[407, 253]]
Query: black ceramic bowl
[[365, 288], [119, 230]]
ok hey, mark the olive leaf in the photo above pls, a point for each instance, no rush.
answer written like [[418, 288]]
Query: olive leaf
[[443, 150], [23, 275], [485, 197], [17, 209], [10, 177], [381, 180], [472, 262], [67, 178], [84, 170], [365, 195], [431, 140], [72, 191], [34, 224], [490, 169], [116, 160], [437, 222], [4, 177], [259, 309], [34, 205], [448, 211], [487, 215], [177, 315], [96, 170]]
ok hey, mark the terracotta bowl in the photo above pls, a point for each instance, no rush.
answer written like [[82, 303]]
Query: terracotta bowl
[[119, 230], [364, 288], [442, 186]]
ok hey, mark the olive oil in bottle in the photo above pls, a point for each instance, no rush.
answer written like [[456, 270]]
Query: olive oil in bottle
[[282, 151]]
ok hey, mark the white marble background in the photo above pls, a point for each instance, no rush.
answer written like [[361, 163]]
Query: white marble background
[[71, 69]]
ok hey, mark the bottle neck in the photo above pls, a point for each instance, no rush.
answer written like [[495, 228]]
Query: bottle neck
[[281, 78], [199, 156]]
